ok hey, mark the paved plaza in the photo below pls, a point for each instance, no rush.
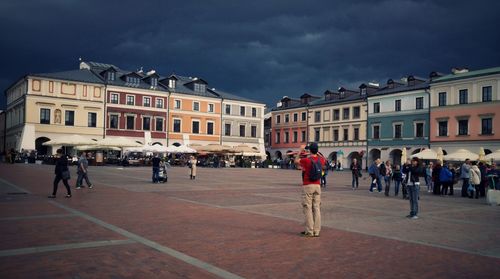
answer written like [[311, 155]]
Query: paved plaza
[[233, 223]]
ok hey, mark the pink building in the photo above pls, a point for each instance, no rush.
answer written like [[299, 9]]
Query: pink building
[[465, 110]]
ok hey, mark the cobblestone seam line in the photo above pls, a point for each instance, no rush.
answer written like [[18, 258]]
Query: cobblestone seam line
[[52, 248], [166, 250], [48, 216]]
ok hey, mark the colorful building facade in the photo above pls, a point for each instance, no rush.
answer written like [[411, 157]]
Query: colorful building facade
[[465, 110], [398, 117]]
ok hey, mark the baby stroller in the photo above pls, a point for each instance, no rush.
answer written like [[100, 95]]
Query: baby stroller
[[163, 174]]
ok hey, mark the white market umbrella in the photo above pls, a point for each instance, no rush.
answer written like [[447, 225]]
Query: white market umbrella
[[426, 154], [180, 149], [495, 156], [461, 155], [96, 147], [71, 140], [156, 148], [118, 142]]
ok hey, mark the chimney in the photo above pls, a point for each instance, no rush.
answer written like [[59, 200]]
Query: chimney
[[150, 72], [457, 70]]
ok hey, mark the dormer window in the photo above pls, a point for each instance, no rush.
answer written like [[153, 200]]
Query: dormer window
[[110, 76], [154, 82], [199, 87], [342, 94], [133, 80], [171, 83], [363, 91]]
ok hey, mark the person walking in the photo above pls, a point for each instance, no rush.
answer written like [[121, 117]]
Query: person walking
[[374, 172], [62, 173], [82, 171], [356, 173], [405, 171], [446, 179], [156, 168], [381, 177], [475, 180], [413, 184], [387, 177], [436, 171], [428, 177], [397, 176], [465, 176], [312, 166], [192, 166]]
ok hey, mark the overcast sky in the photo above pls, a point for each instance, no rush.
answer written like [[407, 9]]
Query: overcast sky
[[258, 49]]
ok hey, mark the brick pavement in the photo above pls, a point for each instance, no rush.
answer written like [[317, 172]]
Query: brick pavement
[[234, 222]]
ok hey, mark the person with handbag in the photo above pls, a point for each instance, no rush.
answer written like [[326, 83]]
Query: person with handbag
[[356, 173], [62, 173]]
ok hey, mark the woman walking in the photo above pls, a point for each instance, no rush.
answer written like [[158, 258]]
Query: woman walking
[[62, 173]]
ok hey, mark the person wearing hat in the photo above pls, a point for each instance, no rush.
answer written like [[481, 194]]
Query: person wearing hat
[[312, 167]]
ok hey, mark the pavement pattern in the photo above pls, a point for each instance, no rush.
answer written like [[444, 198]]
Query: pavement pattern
[[233, 223]]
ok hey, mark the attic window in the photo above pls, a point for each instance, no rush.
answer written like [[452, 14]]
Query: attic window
[[198, 87], [342, 94], [110, 76], [134, 80], [171, 83], [363, 91], [154, 82]]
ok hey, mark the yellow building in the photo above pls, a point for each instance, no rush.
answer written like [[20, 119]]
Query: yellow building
[[43, 107]]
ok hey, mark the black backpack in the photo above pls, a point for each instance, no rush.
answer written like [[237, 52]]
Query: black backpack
[[316, 170]]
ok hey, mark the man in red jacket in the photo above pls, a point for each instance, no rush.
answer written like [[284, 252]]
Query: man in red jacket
[[311, 190]]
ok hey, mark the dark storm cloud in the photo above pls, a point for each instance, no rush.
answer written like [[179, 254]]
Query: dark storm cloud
[[259, 49]]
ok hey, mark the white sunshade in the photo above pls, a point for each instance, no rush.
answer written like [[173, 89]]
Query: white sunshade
[[180, 149], [461, 155], [495, 156], [71, 140], [426, 154], [118, 142]]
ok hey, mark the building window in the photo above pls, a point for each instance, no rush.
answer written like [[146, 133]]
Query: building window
[[254, 112], [159, 103], [443, 128], [295, 117], [253, 131], [419, 130], [303, 136], [242, 130], [171, 83], [287, 118], [110, 75], [356, 134], [44, 116], [304, 116], [463, 96], [146, 123], [92, 119], [177, 125], [287, 137], [195, 127], [159, 124], [211, 108], [242, 111], [227, 129], [346, 134], [114, 98], [397, 131], [154, 82], [376, 131], [295, 136], [356, 112], [419, 103], [486, 126], [487, 94], [336, 135], [278, 119], [228, 109], [196, 106], [130, 122], [113, 121], [376, 107], [278, 137], [69, 118], [210, 128], [397, 105], [316, 135], [317, 116], [177, 104], [463, 127], [147, 101], [442, 99], [198, 87], [345, 113], [336, 114], [130, 100]]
